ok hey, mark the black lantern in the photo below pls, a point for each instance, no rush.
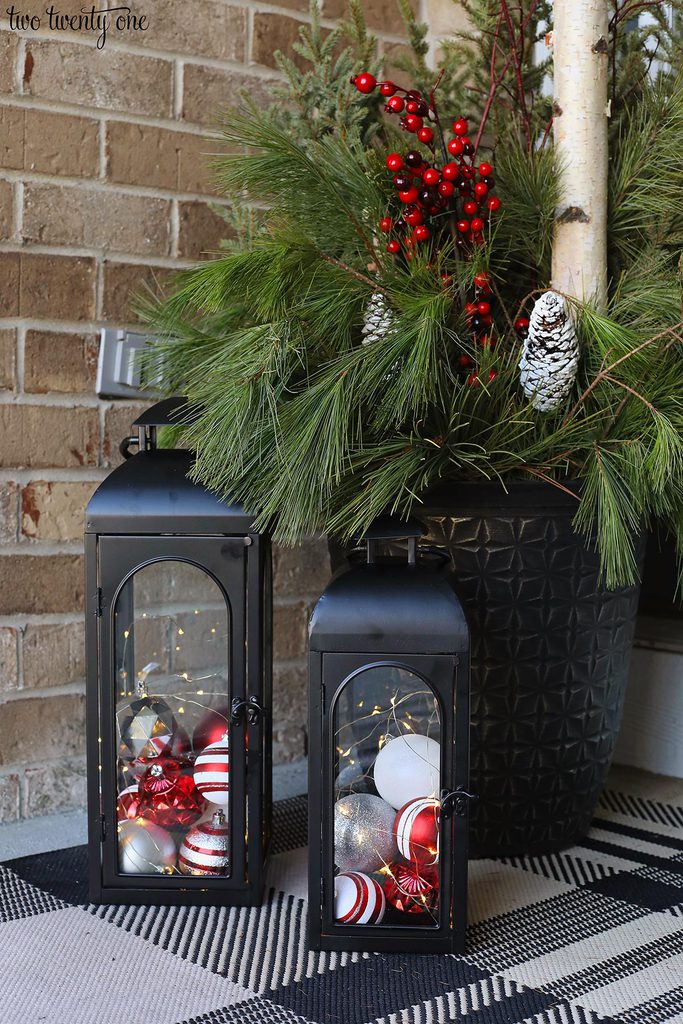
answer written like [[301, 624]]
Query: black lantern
[[388, 753], [179, 665]]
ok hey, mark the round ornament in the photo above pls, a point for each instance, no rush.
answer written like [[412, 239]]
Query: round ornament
[[145, 848], [412, 889], [205, 849], [128, 803], [407, 767], [168, 795], [417, 831], [211, 772], [146, 727], [358, 899], [363, 833], [211, 727]]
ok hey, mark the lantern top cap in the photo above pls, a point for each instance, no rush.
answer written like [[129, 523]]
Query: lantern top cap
[[168, 413], [393, 528]]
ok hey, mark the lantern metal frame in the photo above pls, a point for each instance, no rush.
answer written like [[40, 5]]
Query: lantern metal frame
[[149, 511], [388, 613]]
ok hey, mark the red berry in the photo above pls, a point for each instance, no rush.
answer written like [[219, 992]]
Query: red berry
[[387, 88], [522, 323], [483, 308], [365, 82], [409, 196], [446, 280], [469, 207], [463, 226], [466, 172], [481, 279], [395, 104], [431, 176], [493, 203], [486, 341], [394, 246], [451, 172], [460, 126], [464, 360], [492, 374], [481, 188], [477, 225], [470, 309], [414, 159], [394, 161], [413, 123], [455, 147], [485, 169], [413, 216], [425, 135], [446, 189], [421, 233], [412, 106], [473, 380], [386, 224]]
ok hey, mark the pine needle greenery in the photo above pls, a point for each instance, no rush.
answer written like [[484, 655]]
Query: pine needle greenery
[[315, 431]]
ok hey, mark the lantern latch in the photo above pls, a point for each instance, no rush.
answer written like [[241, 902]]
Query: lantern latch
[[456, 803], [252, 708]]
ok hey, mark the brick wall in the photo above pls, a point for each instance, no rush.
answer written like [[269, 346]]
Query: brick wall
[[103, 186]]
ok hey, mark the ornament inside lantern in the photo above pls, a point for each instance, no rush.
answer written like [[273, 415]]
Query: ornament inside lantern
[[389, 722]]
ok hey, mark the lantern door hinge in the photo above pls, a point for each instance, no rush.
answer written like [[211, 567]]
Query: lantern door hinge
[[98, 602], [456, 803], [103, 828], [252, 708]]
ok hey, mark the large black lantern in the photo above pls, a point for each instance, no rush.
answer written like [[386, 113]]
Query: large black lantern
[[388, 753], [178, 643]]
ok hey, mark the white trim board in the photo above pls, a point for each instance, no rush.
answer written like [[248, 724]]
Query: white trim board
[[651, 734]]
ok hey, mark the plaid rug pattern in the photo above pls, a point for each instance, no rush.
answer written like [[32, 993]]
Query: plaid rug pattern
[[592, 935]]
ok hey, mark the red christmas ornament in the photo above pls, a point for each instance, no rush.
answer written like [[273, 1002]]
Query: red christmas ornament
[[386, 224], [409, 195], [387, 88], [477, 225], [211, 728], [395, 104], [416, 828], [128, 803], [425, 135], [412, 122], [480, 189], [451, 172], [411, 889], [421, 233], [493, 203], [364, 82], [446, 189], [168, 795], [394, 247], [455, 147], [413, 216], [394, 162], [205, 850], [485, 169], [431, 176], [460, 127]]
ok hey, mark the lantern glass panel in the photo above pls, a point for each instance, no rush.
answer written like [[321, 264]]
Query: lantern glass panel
[[387, 739], [172, 651]]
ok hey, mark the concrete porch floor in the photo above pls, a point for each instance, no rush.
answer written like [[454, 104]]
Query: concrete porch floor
[[56, 832]]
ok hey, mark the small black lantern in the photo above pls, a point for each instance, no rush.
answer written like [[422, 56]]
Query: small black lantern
[[179, 668], [388, 753]]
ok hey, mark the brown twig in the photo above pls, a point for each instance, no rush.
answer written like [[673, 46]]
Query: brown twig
[[375, 285], [549, 480], [518, 71]]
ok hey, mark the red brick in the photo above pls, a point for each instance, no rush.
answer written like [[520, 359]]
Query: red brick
[[379, 14], [290, 630], [64, 215], [42, 436], [53, 655], [274, 32], [39, 728], [11, 137], [9, 662], [106, 79], [207, 29], [202, 230], [8, 349], [59, 362], [40, 584], [117, 425], [124, 283], [61, 145], [209, 92], [54, 510], [301, 570], [9, 283], [57, 287], [6, 210], [8, 50]]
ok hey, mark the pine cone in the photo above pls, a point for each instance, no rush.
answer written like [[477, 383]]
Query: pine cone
[[550, 356], [378, 320]]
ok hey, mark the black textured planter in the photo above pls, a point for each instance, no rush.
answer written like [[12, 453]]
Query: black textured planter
[[550, 658]]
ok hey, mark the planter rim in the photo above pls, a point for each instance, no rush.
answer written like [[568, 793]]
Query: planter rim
[[491, 497]]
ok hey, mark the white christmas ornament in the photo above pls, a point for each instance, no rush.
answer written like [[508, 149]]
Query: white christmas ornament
[[407, 768], [145, 848], [550, 356], [358, 899], [378, 320], [211, 772]]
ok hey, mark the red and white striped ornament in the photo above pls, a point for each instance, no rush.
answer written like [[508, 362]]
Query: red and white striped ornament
[[358, 899], [417, 831], [205, 850], [128, 803], [211, 772]]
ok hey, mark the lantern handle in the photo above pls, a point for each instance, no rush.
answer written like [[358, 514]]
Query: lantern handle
[[254, 710]]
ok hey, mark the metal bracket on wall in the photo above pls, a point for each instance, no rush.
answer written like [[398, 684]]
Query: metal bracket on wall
[[118, 366]]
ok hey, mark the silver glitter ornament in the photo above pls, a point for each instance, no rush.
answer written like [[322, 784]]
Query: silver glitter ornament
[[550, 356], [363, 833]]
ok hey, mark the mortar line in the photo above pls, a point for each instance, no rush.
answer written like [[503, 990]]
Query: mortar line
[[117, 188], [103, 114]]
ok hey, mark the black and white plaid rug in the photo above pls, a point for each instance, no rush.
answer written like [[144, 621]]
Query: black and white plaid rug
[[591, 935]]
